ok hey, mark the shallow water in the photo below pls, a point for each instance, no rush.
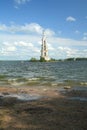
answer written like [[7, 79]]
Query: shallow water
[[24, 97], [78, 98], [23, 73]]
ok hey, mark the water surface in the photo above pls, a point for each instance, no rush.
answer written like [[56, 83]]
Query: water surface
[[24, 73]]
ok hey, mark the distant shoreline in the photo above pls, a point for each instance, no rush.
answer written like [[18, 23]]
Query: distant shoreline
[[51, 60], [57, 60]]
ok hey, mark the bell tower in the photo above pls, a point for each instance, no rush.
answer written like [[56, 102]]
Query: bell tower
[[44, 49]]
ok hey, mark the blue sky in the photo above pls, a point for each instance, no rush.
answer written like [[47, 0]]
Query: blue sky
[[22, 23]]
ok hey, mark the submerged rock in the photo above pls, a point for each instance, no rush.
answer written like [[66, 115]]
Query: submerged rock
[[67, 87]]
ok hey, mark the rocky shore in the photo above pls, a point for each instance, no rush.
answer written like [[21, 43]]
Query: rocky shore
[[42, 108]]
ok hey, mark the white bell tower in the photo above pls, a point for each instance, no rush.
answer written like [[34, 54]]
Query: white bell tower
[[44, 49]]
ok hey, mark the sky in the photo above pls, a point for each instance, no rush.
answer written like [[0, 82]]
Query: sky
[[23, 21]]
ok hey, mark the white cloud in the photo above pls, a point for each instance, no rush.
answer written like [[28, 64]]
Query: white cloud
[[16, 7], [8, 49], [67, 52], [85, 33], [11, 48], [25, 42], [8, 46], [26, 28], [3, 27], [19, 49], [57, 41], [28, 46], [70, 19], [50, 47], [77, 32], [19, 2], [59, 32], [32, 27], [85, 38], [49, 32]]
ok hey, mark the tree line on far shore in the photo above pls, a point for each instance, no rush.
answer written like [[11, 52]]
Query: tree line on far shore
[[33, 59]]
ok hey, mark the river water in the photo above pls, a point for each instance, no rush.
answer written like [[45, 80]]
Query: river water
[[24, 73]]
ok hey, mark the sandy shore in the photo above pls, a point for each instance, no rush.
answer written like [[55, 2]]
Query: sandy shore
[[49, 110]]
